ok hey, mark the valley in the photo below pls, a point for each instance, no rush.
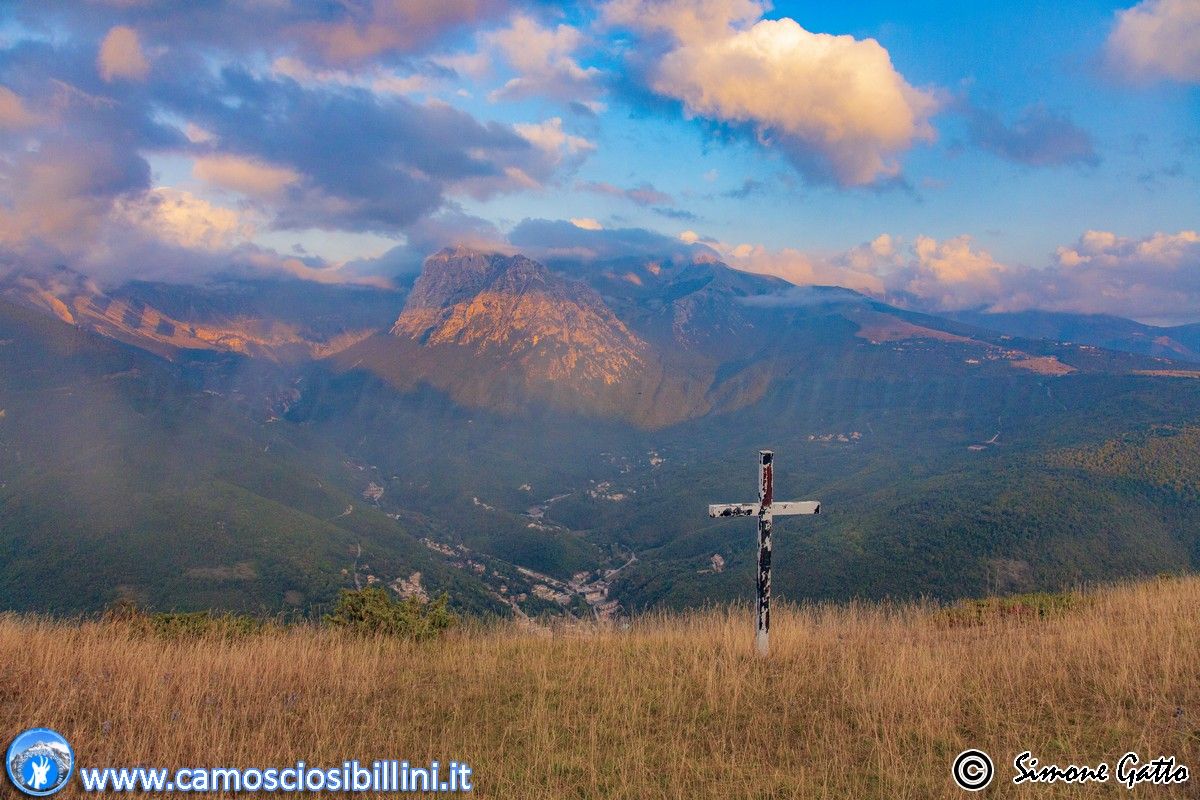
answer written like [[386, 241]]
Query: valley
[[542, 441]]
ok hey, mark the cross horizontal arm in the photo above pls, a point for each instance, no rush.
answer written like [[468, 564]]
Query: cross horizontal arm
[[790, 507], [785, 508], [734, 510]]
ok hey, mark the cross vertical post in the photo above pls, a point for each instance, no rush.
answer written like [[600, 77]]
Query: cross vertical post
[[765, 509], [762, 597]]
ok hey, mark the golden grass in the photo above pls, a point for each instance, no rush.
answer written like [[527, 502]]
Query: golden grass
[[861, 701]]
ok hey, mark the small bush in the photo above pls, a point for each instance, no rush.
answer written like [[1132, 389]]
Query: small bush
[[373, 612], [180, 625], [203, 623], [1038, 605]]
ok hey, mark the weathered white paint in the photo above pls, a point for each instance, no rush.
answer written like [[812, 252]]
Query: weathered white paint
[[784, 508], [790, 508]]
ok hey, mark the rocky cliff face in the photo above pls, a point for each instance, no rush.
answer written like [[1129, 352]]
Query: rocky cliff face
[[508, 334], [513, 309]]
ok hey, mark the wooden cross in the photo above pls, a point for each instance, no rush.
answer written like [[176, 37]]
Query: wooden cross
[[765, 509]]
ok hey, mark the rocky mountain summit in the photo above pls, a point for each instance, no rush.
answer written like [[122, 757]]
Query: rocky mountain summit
[[514, 309]]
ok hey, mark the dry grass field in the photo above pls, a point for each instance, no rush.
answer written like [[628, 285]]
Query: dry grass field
[[861, 701]]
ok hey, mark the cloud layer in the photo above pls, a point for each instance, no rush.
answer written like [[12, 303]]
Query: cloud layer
[[290, 129], [1154, 278]]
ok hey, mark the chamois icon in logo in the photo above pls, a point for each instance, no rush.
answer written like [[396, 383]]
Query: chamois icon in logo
[[41, 773]]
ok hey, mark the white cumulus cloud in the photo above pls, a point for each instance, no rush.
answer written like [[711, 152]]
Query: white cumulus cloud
[[15, 112], [952, 274], [1157, 39], [557, 143], [1153, 278], [544, 59], [180, 218], [834, 105]]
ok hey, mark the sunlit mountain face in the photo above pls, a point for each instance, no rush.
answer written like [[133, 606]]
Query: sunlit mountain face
[[277, 320]]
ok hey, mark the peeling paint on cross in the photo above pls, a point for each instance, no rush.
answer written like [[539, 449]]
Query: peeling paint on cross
[[765, 509]]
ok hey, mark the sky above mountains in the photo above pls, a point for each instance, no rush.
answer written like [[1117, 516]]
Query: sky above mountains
[[940, 155]]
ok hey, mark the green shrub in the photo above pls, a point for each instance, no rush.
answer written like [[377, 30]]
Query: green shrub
[[373, 612], [1038, 605], [203, 623], [181, 625]]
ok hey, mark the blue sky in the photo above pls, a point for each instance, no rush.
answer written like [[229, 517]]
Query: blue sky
[[998, 56], [941, 155]]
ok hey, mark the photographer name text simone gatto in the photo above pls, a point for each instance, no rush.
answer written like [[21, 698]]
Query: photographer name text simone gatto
[[1129, 771]]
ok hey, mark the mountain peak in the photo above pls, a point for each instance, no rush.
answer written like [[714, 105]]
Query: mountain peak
[[452, 274], [513, 307]]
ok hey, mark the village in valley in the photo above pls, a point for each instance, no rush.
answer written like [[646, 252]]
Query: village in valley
[[531, 595]]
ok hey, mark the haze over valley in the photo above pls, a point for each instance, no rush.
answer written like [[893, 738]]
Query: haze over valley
[[544, 441]]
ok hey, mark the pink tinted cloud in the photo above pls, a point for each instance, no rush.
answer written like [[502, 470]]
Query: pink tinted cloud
[[121, 56]]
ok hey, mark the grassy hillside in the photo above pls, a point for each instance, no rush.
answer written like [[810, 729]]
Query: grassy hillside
[[859, 701]]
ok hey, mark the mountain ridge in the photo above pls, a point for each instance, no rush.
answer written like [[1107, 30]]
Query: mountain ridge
[[653, 342], [1181, 342], [133, 314]]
